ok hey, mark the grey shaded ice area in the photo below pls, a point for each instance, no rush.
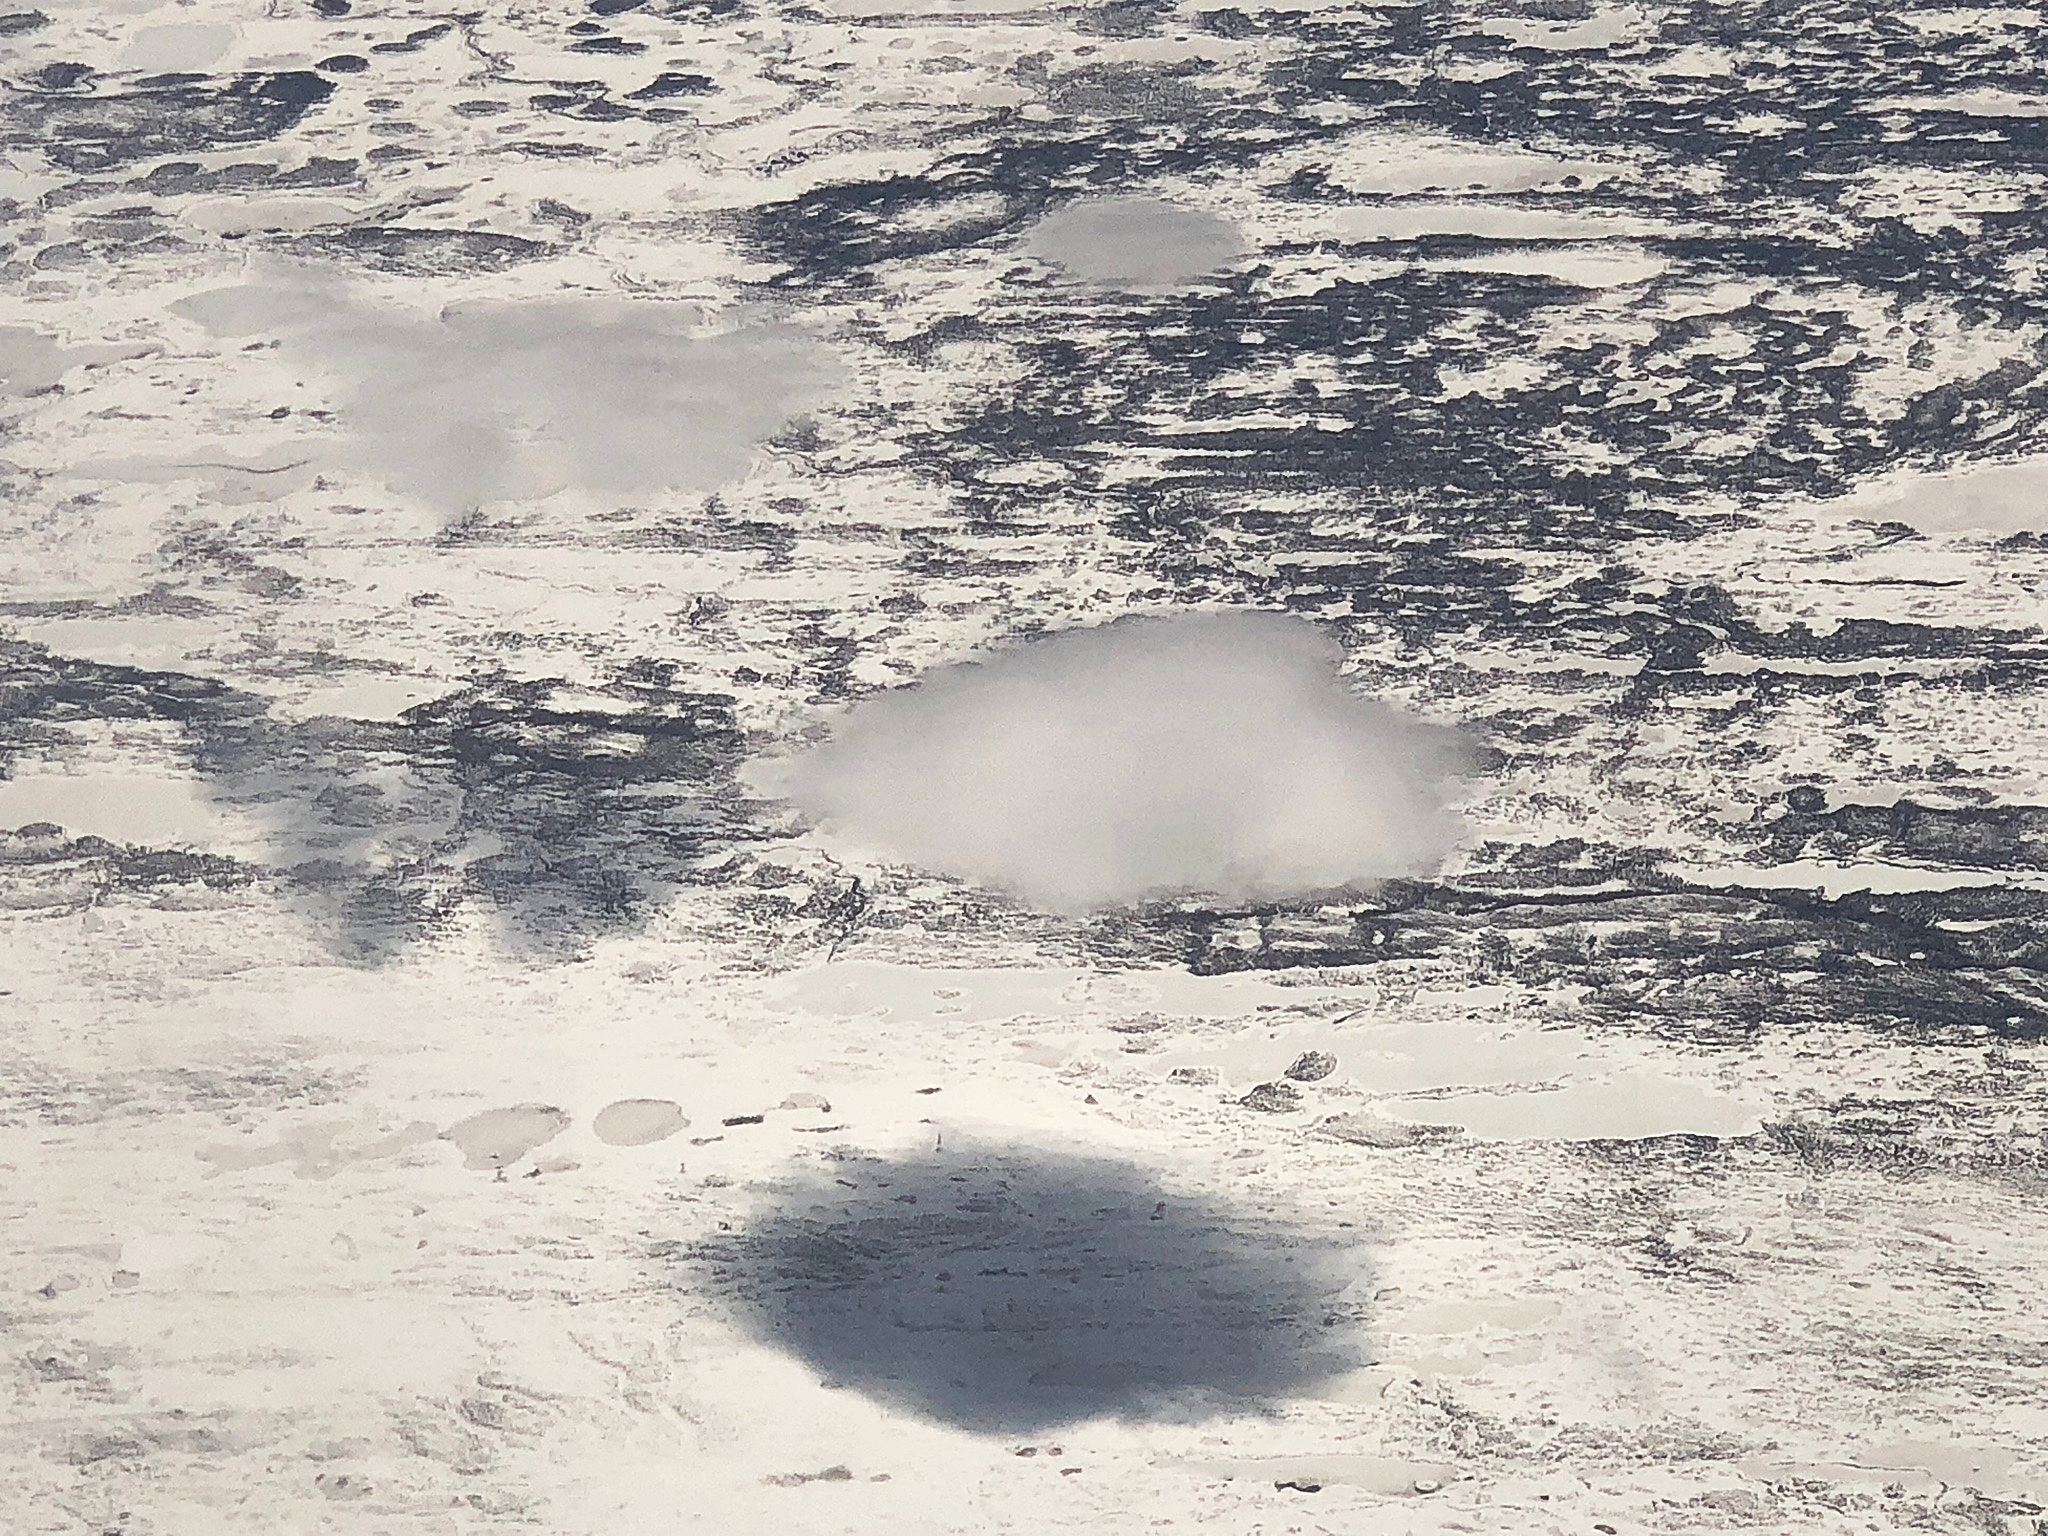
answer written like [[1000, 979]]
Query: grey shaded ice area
[[513, 401], [447, 454], [1135, 242]]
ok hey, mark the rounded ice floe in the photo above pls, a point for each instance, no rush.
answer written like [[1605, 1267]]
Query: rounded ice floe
[[1210, 753], [638, 1122], [498, 1137], [1136, 242], [31, 362]]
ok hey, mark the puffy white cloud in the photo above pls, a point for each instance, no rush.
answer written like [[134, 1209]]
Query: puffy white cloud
[[1210, 752]]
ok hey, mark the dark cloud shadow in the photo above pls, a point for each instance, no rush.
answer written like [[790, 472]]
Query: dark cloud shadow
[[1015, 1291], [569, 814], [570, 822]]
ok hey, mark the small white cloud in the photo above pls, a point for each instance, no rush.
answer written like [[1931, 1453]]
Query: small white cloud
[[1198, 753], [514, 401], [1135, 242]]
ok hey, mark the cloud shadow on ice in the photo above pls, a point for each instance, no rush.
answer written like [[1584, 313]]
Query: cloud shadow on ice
[[1018, 1291], [567, 820]]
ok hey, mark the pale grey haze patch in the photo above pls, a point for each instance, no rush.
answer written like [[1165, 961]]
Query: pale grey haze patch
[[312, 1150], [31, 362], [1136, 242], [515, 401], [1212, 753], [179, 47], [278, 299], [1995, 499]]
